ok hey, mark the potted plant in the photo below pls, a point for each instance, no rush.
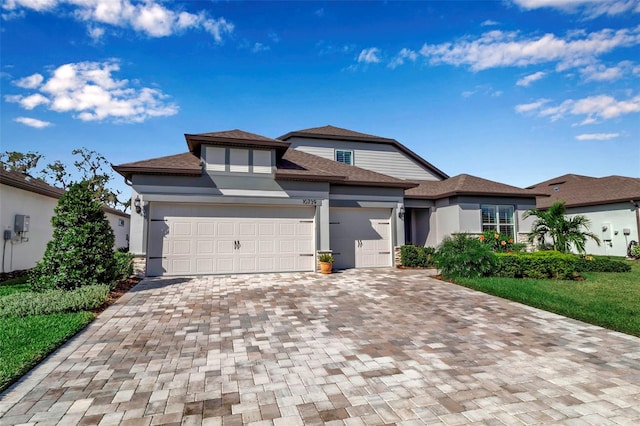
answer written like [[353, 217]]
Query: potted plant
[[326, 263]]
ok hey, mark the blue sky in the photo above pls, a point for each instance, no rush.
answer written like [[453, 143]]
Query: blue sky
[[517, 91]]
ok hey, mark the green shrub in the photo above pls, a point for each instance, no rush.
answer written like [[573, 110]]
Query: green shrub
[[84, 298], [635, 251], [541, 264], [597, 264], [500, 243], [417, 256], [123, 265], [81, 251], [325, 258], [463, 255]]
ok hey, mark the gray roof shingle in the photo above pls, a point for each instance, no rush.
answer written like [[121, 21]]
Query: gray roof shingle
[[578, 190], [464, 184]]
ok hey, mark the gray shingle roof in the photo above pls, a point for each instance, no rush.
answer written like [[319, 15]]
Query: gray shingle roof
[[578, 190], [464, 184], [186, 164], [233, 137]]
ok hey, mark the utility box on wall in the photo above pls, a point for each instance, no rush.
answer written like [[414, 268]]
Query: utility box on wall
[[606, 232], [21, 224]]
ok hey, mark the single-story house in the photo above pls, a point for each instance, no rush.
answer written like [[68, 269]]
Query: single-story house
[[611, 203], [237, 202], [25, 199]]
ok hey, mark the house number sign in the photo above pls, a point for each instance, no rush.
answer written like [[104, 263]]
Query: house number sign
[[310, 202]]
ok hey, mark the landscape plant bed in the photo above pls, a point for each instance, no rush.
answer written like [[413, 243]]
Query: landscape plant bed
[[606, 299], [25, 341]]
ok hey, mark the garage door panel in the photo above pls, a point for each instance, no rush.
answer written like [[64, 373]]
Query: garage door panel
[[202, 239], [206, 228], [204, 266], [225, 229], [204, 247], [180, 248], [266, 246], [179, 266], [247, 229]]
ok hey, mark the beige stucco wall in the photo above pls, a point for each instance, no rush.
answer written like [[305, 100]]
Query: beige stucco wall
[[20, 254]]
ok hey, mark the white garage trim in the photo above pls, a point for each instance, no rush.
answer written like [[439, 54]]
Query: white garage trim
[[193, 239], [361, 237]]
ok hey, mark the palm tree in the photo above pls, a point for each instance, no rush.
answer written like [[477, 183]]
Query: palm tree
[[564, 232]]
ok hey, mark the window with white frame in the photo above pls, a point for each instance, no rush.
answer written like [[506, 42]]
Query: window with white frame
[[345, 157], [498, 218]]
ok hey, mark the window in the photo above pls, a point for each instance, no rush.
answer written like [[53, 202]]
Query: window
[[239, 160], [120, 222], [345, 157], [498, 218], [216, 158], [261, 161]]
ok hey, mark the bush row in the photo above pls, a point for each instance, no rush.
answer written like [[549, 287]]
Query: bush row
[[463, 255], [541, 264], [85, 298], [417, 256]]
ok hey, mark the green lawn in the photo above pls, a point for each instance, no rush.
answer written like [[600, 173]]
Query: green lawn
[[610, 300], [26, 341]]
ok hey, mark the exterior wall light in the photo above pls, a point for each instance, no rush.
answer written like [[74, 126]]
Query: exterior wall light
[[401, 213], [137, 205]]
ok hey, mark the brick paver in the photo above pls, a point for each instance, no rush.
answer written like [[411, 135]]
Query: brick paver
[[357, 348]]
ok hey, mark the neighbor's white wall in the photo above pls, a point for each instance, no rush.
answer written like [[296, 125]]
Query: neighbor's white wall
[[381, 158], [121, 232], [620, 216], [24, 255]]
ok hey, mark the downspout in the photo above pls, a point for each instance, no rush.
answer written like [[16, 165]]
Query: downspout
[[637, 208]]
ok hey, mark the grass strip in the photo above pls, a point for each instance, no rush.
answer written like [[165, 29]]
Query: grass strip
[[26, 341], [606, 299]]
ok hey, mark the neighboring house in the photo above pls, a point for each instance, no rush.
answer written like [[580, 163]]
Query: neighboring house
[[238, 202], [611, 204], [22, 195]]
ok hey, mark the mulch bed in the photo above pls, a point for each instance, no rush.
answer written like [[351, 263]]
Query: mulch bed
[[120, 289]]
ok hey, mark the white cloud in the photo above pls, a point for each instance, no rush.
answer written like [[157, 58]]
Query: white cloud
[[489, 23], [95, 33], [600, 72], [528, 79], [590, 8], [593, 108], [90, 92], [149, 16], [402, 56], [32, 122], [369, 56], [495, 49], [522, 108], [597, 136], [259, 47], [30, 82], [28, 102]]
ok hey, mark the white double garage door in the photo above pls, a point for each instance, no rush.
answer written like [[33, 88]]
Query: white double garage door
[[188, 239]]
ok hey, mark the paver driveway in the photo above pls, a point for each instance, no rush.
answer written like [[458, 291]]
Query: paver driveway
[[359, 347]]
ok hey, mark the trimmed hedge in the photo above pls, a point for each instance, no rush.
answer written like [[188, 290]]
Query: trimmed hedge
[[596, 264], [85, 298], [541, 264], [417, 256]]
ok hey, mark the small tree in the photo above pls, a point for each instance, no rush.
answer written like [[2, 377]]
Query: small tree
[[81, 251], [563, 232]]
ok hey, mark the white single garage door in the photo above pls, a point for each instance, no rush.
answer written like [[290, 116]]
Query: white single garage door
[[189, 239], [360, 237]]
